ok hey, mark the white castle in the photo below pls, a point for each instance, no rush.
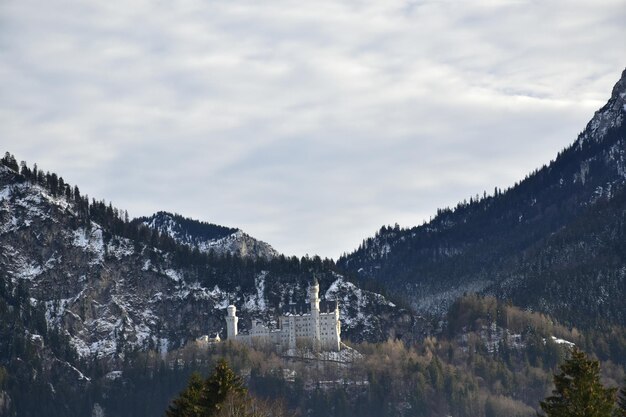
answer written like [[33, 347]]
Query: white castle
[[314, 329]]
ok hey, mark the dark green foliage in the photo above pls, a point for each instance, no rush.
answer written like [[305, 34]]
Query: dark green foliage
[[226, 271], [201, 231], [219, 385], [578, 391], [205, 398], [190, 402], [26, 345], [10, 162], [540, 242]]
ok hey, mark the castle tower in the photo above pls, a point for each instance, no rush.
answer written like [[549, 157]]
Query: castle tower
[[314, 291], [337, 330], [231, 322]]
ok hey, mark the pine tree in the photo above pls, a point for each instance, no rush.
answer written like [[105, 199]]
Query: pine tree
[[219, 385], [189, 401], [578, 391], [206, 398], [10, 161]]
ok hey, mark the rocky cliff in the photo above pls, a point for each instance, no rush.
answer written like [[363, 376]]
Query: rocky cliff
[[113, 294]]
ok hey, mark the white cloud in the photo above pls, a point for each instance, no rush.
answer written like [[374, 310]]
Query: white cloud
[[307, 124]]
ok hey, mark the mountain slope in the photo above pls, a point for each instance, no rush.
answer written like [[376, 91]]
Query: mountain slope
[[115, 287], [521, 243], [208, 237]]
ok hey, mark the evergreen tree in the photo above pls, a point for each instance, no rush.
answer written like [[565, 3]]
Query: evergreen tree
[[578, 391], [219, 385], [206, 398], [189, 401], [10, 161]]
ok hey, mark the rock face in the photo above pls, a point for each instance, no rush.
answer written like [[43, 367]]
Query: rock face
[[209, 237], [554, 241], [113, 294], [609, 117]]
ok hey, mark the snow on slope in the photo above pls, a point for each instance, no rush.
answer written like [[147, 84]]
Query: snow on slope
[[241, 244], [90, 286], [359, 310], [609, 116], [112, 295], [220, 242]]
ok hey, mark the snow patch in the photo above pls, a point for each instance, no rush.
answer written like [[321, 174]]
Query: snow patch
[[28, 271], [562, 341], [174, 275], [164, 345], [120, 248], [91, 242], [354, 302], [256, 302], [5, 192]]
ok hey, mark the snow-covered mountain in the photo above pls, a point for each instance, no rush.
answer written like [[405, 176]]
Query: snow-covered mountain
[[209, 237], [552, 242], [115, 287]]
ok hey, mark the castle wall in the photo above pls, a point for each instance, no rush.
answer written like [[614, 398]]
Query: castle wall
[[315, 329]]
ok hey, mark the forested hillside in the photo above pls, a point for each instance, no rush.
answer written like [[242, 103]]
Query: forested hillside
[[553, 242], [207, 237], [102, 288], [99, 314], [491, 359]]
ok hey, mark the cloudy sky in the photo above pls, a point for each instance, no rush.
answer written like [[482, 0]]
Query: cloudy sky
[[307, 124]]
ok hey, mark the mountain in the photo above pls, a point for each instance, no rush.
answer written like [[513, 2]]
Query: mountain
[[87, 295], [88, 299], [208, 237], [114, 286], [555, 242]]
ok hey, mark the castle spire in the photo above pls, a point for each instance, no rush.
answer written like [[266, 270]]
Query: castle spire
[[314, 291]]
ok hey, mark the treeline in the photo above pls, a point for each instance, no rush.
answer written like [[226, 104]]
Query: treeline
[[540, 242], [114, 221], [201, 231], [491, 359], [212, 268], [390, 380], [473, 313], [535, 198], [464, 371]]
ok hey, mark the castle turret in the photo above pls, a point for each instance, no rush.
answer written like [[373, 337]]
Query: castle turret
[[314, 291], [337, 344], [231, 322]]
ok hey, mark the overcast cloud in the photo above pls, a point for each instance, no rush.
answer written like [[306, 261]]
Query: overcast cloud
[[307, 124]]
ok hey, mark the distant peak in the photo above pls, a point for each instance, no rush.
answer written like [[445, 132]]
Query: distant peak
[[620, 87], [208, 237], [610, 116]]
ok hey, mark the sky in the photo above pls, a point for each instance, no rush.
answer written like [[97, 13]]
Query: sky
[[309, 125]]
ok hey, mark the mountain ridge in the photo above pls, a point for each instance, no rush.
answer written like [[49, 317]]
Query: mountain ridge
[[114, 287], [476, 246], [95, 307], [207, 237]]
